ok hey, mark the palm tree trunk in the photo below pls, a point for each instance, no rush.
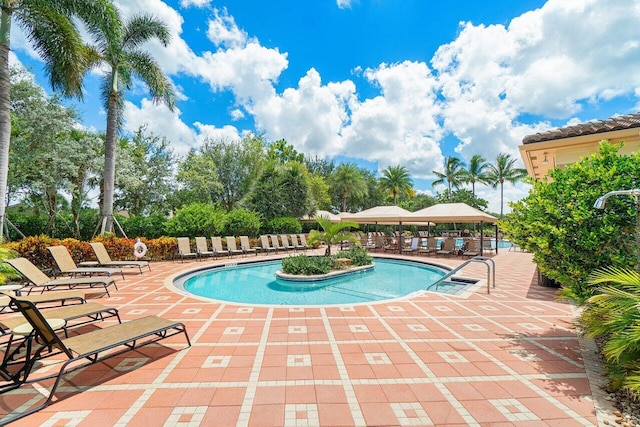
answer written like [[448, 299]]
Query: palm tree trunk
[[501, 197], [110, 163], [5, 113]]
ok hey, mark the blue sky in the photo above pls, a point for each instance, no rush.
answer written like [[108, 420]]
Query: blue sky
[[383, 82]]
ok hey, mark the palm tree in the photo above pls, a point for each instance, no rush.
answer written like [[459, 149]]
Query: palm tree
[[332, 233], [476, 172], [453, 175], [349, 181], [396, 180], [50, 27], [612, 314], [504, 170], [120, 52]]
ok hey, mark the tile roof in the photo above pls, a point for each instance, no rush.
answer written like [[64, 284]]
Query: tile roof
[[627, 121]]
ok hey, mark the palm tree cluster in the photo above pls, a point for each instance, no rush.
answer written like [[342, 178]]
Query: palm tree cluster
[[52, 28], [503, 170], [116, 45]]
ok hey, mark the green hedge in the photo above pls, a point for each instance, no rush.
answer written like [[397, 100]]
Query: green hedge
[[358, 256], [307, 265]]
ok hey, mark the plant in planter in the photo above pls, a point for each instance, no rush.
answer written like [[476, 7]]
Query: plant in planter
[[358, 256], [303, 265], [332, 233]]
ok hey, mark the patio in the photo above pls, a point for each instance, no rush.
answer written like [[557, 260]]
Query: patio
[[510, 357]]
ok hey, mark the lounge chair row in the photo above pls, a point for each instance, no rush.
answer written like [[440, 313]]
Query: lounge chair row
[[23, 350], [269, 243]]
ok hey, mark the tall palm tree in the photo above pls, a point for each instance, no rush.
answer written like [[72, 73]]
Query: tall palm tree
[[476, 172], [504, 170], [396, 180], [121, 54], [50, 27], [453, 175], [349, 181]]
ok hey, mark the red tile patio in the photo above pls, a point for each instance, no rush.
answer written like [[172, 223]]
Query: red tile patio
[[511, 357]]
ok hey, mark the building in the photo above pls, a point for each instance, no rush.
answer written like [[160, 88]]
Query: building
[[544, 151]]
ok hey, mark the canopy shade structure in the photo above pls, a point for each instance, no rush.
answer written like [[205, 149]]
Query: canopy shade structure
[[452, 212], [321, 213], [382, 215]]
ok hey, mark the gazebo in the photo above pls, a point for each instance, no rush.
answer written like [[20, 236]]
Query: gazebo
[[456, 212]]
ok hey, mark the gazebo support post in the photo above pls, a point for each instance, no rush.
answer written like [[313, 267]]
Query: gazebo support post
[[481, 239]]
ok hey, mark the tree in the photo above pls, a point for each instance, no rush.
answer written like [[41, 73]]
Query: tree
[[48, 155], [570, 239], [463, 196], [347, 180], [50, 27], [476, 172], [144, 180], [504, 170], [397, 181], [198, 175], [119, 50], [281, 190], [332, 233], [282, 152], [238, 164], [453, 175]]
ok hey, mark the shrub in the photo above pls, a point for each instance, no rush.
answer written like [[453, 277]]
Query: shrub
[[119, 248], [151, 227], [241, 222], [282, 225], [196, 219], [307, 265], [34, 248], [358, 256], [161, 248], [567, 235]]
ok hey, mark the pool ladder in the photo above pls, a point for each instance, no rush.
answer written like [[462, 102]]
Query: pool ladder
[[491, 272]]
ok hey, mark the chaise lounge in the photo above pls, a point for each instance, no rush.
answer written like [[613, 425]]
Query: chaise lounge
[[41, 282], [68, 266], [104, 260], [91, 347]]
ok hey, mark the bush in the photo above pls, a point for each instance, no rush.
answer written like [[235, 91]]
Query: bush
[[282, 225], [567, 235], [241, 222], [358, 256], [196, 219], [307, 265], [151, 227]]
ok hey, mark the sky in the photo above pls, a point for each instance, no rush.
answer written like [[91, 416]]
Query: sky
[[381, 82]]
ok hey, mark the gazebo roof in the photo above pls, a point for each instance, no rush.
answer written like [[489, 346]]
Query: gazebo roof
[[381, 215], [452, 212]]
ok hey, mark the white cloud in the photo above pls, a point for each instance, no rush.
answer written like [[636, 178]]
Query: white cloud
[[309, 117], [225, 133], [196, 3], [399, 126], [236, 114], [546, 62], [161, 121], [223, 30], [343, 4]]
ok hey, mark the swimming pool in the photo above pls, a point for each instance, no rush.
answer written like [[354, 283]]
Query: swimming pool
[[255, 283]]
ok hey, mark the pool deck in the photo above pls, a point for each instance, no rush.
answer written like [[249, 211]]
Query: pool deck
[[511, 357]]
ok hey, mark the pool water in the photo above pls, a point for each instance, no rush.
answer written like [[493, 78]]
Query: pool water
[[256, 283]]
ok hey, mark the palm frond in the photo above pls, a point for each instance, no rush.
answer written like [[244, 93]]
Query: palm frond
[[145, 67], [55, 37], [142, 28]]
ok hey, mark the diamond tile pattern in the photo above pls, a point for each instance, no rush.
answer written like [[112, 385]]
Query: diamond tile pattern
[[431, 359]]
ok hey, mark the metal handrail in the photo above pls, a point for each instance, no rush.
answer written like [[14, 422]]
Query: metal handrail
[[482, 259]]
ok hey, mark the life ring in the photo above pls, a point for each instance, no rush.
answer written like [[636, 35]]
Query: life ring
[[139, 249]]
